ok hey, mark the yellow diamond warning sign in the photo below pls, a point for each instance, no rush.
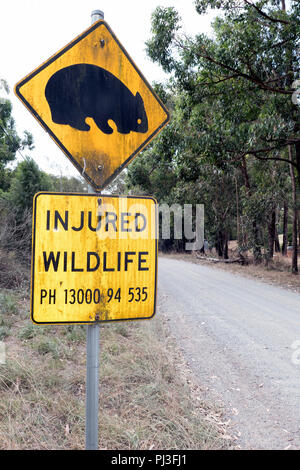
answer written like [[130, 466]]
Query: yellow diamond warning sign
[[94, 258], [95, 104]]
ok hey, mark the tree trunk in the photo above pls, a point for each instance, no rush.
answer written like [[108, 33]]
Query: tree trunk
[[276, 241], [237, 212], [285, 228], [298, 219], [256, 248], [222, 244], [225, 254], [295, 216], [295, 178], [295, 248], [276, 237], [219, 245], [271, 230], [296, 173]]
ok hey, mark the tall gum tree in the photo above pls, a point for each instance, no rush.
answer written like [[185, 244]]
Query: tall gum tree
[[252, 61]]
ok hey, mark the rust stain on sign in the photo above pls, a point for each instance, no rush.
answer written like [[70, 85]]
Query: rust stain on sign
[[94, 258], [95, 104]]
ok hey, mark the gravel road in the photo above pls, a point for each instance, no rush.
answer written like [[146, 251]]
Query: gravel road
[[237, 336]]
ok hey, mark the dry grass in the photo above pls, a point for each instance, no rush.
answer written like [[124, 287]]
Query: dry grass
[[147, 400], [13, 274]]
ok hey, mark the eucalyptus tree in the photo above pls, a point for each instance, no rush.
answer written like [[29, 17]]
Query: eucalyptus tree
[[238, 86], [10, 142], [255, 49]]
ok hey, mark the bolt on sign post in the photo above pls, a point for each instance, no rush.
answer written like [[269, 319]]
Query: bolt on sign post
[[95, 104], [94, 258]]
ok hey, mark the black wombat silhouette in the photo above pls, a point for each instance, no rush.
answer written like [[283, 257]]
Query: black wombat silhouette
[[84, 90]]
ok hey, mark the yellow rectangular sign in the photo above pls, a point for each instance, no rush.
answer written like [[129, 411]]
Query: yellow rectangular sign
[[94, 258]]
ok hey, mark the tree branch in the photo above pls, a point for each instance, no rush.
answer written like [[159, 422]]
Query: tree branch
[[236, 73], [272, 158], [220, 80], [262, 13]]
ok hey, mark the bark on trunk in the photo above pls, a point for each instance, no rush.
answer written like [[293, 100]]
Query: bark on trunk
[[271, 229], [256, 248], [298, 218], [237, 212], [285, 228], [222, 245], [276, 241], [295, 216], [225, 256]]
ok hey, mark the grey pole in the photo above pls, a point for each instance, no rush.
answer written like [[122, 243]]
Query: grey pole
[[97, 15], [92, 358], [92, 385]]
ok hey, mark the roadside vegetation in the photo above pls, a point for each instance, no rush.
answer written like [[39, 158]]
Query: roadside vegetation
[[147, 398], [233, 143]]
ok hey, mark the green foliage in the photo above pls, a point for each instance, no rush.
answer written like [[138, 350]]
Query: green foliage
[[248, 68], [64, 184], [154, 171], [232, 117], [26, 182], [165, 23], [16, 213], [4, 85], [10, 142]]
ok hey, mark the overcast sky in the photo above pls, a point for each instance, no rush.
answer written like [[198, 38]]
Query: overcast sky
[[33, 30]]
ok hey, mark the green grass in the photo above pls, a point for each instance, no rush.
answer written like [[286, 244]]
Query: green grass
[[4, 332], [8, 303], [29, 331]]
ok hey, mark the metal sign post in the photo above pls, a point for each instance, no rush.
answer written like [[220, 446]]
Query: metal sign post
[[92, 359], [92, 385]]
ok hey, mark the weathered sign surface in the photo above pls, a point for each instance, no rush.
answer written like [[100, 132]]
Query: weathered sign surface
[[95, 104], [94, 258]]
